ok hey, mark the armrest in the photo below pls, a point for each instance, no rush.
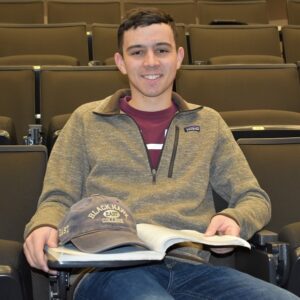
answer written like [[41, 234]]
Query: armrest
[[268, 259], [15, 276], [264, 237], [291, 234]]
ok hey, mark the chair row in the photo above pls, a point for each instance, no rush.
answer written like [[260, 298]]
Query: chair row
[[111, 11], [68, 44], [275, 162], [247, 95]]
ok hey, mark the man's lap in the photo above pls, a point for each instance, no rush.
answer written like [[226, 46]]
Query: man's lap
[[176, 280]]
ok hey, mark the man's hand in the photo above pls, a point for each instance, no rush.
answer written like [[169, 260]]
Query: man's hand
[[34, 247], [222, 225]]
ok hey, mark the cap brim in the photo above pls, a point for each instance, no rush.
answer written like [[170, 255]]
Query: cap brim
[[104, 240]]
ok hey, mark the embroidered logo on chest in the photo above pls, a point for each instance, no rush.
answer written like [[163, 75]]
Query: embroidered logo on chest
[[192, 128]]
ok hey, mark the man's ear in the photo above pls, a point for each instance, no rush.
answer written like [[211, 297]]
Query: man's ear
[[120, 63], [180, 56]]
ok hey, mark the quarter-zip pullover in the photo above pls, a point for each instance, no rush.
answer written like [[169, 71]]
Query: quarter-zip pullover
[[101, 151]]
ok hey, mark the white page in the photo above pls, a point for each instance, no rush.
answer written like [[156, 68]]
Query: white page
[[159, 238]]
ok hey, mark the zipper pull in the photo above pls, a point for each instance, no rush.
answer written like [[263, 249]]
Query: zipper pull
[[153, 171]]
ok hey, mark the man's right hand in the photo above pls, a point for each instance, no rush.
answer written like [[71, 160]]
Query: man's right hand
[[34, 247]]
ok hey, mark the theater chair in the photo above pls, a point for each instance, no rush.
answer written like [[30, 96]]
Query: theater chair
[[21, 178], [276, 164]]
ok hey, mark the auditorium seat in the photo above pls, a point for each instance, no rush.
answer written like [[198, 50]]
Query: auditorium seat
[[183, 11], [45, 39], [63, 89], [104, 41], [38, 60], [262, 97], [17, 101], [276, 164], [21, 180], [252, 43], [88, 11], [291, 43], [241, 87], [22, 11], [250, 12], [293, 12]]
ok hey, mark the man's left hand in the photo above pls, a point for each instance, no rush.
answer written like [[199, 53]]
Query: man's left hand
[[222, 225]]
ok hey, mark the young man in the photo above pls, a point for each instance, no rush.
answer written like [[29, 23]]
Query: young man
[[163, 157]]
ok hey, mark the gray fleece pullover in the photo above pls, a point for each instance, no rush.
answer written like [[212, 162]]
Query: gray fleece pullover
[[101, 151]]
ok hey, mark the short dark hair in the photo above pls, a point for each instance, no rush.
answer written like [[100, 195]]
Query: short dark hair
[[142, 17]]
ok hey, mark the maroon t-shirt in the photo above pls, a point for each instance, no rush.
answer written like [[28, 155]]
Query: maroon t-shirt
[[153, 127]]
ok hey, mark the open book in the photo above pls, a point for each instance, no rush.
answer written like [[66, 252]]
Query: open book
[[157, 238]]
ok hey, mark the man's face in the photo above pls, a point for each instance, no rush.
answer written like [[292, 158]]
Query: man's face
[[150, 60]]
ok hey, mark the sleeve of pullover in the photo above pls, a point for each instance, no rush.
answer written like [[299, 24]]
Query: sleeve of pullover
[[232, 178], [65, 176]]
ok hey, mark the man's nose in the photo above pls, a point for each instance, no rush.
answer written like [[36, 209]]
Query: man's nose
[[151, 59]]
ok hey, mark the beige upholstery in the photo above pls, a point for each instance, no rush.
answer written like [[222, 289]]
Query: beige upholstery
[[63, 89], [38, 60], [208, 41], [293, 12], [241, 87], [88, 11], [243, 59], [183, 11], [22, 11], [22, 173], [291, 42], [62, 39], [276, 164], [105, 43], [17, 101], [250, 12]]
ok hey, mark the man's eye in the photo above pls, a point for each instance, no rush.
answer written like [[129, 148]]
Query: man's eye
[[137, 52], [162, 51]]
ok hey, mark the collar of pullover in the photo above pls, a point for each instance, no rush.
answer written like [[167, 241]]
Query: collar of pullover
[[110, 105]]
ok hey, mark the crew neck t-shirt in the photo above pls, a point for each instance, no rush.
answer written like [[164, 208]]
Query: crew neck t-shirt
[[153, 127]]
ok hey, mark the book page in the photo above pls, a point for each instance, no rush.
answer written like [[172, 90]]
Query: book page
[[70, 253], [160, 238]]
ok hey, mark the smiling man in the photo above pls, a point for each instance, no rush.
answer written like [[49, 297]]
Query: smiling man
[[161, 156]]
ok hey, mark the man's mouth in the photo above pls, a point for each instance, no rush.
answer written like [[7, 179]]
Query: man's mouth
[[151, 76]]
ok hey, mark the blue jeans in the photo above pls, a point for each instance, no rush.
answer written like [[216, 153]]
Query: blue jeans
[[176, 280]]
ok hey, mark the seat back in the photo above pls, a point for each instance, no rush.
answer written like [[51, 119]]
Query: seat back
[[63, 89], [208, 41], [250, 12], [21, 178], [291, 42], [183, 11], [293, 12], [276, 164], [104, 41], [91, 11], [22, 11], [17, 99], [241, 87], [45, 39]]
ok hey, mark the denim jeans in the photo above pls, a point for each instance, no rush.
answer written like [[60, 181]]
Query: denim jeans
[[171, 279]]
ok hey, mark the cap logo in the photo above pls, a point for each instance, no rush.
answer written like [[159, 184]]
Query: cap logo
[[107, 209]]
